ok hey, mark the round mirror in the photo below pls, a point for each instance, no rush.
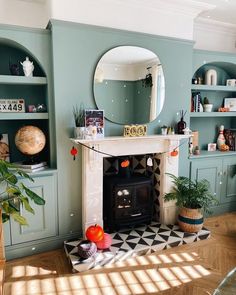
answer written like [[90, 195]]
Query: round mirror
[[129, 85]]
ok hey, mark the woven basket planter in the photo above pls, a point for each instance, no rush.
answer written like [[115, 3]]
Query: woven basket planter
[[190, 220]]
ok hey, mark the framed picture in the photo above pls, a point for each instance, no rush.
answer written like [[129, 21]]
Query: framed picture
[[4, 147], [230, 103], [94, 123], [211, 147]]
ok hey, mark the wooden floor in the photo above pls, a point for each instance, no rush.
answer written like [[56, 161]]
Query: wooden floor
[[193, 269]]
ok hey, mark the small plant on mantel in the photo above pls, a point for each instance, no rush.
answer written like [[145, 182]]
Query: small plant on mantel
[[78, 114], [79, 118], [191, 197], [14, 193]]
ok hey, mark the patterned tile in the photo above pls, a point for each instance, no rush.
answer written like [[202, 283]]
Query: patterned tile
[[128, 243]]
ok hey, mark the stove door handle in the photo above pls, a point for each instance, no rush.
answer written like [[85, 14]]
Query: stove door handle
[[138, 214]]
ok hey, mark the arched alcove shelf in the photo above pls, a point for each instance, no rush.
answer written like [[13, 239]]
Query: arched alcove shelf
[[207, 123], [33, 90]]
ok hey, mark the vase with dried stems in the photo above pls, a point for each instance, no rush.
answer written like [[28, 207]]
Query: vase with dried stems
[[14, 194]]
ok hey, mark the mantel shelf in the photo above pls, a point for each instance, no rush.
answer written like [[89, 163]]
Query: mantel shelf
[[134, 138], [17, 80], [24, 116]]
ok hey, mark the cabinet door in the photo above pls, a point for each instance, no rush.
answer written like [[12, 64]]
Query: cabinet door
[[229, 180], [210, 169], [43, 223]]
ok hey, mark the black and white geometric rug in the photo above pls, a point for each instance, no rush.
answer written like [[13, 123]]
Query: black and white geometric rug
[[128, 243]]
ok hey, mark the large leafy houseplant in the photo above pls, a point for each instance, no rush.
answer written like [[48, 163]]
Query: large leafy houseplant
[[192, 197], [14, 193]]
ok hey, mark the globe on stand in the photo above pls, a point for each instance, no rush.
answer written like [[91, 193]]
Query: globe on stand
[[30, 140]]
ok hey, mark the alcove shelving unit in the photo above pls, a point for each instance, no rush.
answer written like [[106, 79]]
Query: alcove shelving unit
[[217, 167], [19, 240]]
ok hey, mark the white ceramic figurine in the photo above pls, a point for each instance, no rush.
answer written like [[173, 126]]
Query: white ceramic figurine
[[28, 67]]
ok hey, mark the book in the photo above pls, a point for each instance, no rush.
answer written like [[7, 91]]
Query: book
[[21, 165], [4, 147], [28, 170]]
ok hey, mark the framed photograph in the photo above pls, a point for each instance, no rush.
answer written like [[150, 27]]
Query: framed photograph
[[211, 147], [230, 103], [4, 147], [94, 122]]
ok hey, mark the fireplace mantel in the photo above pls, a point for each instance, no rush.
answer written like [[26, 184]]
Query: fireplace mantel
[[92, 167]]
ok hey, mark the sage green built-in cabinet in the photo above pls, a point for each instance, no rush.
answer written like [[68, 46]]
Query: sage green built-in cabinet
[[42, 225], [15, 45], [219, 168], [221, 174]]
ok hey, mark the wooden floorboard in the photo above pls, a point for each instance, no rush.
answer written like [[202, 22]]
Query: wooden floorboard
[[194, 269]]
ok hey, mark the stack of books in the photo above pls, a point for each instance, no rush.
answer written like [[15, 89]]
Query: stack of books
[[196, 102], [31, 167]]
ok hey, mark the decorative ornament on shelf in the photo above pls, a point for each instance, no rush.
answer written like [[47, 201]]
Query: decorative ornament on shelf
[[30, 140], [135, 130], [211, 77], [221, 138], [181, 125], [174, 153], [28, 67]]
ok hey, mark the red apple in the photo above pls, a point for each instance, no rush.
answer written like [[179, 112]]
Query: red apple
[[94, 233]]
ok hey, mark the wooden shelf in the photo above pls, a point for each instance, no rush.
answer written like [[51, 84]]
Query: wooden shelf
[[17, 80], [211, 114], [24, 116], [213, 88]]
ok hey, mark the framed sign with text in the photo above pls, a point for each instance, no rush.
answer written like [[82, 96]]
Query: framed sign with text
[[12, 105]]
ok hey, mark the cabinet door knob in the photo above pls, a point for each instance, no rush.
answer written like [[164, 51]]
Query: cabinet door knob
[[214, 194], [220, 173], [225, 172], [220, 182]]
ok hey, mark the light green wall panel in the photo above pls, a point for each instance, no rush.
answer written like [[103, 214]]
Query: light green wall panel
[[76, 51]]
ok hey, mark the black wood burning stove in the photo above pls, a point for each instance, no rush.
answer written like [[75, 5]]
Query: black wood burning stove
[[127, 201]]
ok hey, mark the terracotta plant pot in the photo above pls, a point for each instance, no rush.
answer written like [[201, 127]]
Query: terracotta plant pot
[[190, 220]]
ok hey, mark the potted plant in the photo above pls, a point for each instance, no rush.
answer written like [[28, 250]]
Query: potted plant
[[207, 106], [14, 194], [79, 119], [192, 197]]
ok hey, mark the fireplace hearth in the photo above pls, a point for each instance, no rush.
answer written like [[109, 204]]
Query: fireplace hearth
[[127, 201]]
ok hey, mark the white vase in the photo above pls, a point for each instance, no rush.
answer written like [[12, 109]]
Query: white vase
[[79, 132]]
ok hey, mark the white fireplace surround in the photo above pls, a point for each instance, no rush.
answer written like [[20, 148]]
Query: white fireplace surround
[[92, 167]]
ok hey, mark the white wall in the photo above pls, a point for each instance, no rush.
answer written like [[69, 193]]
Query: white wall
[[26, 13], [174, 18], [214, 36]]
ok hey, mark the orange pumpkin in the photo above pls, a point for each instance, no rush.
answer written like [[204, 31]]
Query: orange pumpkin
[[224, 148], [124, 164], [174, 153], [94, 233]]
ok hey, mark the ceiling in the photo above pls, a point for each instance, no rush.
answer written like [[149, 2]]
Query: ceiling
[[224, 11]]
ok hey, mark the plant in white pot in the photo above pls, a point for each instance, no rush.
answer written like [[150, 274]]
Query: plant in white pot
[[193, 198], [14, 194], [79, 119], [207, 106]]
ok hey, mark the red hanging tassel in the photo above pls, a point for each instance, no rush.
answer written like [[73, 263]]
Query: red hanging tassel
[[73, 152]]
